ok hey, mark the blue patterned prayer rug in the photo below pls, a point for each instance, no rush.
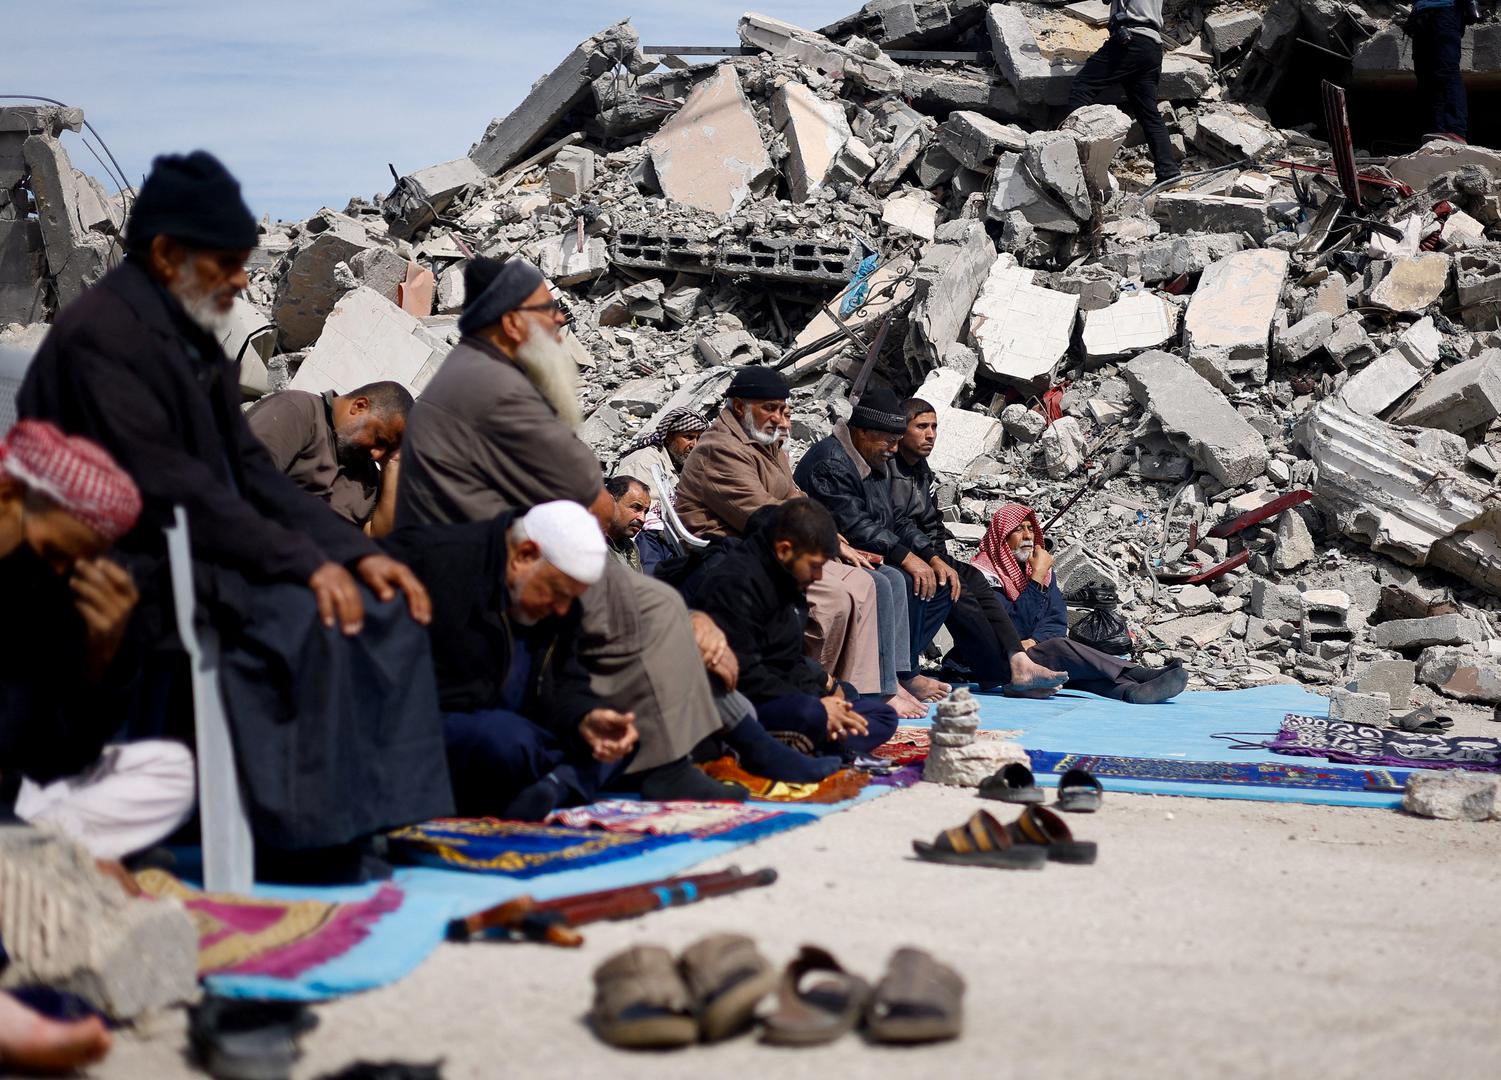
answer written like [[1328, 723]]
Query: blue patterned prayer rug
[[514, 848], [1260, 773]]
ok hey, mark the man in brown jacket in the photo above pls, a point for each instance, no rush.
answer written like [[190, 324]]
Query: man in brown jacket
[[492, 432], [741, 465]]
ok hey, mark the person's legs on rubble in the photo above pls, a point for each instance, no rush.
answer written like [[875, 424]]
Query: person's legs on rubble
[[1141, 70], [1437, 40]]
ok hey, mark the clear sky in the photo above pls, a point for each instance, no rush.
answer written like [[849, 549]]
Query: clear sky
[[308, 100]]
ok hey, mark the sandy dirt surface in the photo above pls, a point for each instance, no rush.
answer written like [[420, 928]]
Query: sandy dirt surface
[[1214, 938]]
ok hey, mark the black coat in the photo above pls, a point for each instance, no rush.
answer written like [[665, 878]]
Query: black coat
[[860, 499], [763, 614], [125, 366], [464, 569], [53, 719], [912, 492]]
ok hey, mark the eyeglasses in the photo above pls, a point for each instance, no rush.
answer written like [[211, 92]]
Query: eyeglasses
[[551, 305]]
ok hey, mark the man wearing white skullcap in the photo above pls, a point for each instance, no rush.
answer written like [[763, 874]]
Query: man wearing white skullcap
[[525, 732]]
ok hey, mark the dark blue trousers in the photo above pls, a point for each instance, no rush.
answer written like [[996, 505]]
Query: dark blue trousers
[[1436, 37], [494, 755], [804, 714]]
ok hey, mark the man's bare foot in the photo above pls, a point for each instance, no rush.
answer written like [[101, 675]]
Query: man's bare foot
[[925, 689], [1028, 675], [907, 707], [33, 1043]]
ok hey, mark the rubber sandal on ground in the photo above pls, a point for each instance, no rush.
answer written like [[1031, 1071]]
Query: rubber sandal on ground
[[817, 1002], [1039, 829], [1014, 783], [1079, 792], [918, 1000], [727, 978], [981, 841], [641, 1001], [248, 1040]]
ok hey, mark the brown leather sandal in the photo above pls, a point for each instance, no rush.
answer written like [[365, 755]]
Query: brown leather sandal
[[726, 977], [1039, 829], [981, 841], [918, 1000], [817, 1002], [641, 1002]]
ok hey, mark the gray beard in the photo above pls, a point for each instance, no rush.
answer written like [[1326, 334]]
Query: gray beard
[[776, 439], [198, 302], [1024, 554], [551, 369]]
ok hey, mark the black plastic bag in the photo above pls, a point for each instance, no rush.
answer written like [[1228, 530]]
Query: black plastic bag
[[1102, 627]]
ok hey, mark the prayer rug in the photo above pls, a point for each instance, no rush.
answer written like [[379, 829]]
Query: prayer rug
[[910, 745], [515, 848], [844, 784], [1363, 744], [243, 935], [679, 817], [1268, 774]]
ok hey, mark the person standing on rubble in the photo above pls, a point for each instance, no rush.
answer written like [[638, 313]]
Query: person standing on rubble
[[1437, 28], [1131, 58]]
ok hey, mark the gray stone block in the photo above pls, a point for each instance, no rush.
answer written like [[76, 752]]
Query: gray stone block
[[1358, 708], [1453, 629], [1394, 678], [1461, 674], [1191, 410], [1464, 397], [1454, 795]]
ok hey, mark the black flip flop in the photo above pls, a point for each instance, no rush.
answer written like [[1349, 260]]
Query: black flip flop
[[1014, 784], [1423, 721], [248, 1040], [1079, 792]]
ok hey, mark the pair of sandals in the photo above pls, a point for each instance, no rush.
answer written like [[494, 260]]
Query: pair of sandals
[[1036, 838], [645, 1001], [1078, 791]]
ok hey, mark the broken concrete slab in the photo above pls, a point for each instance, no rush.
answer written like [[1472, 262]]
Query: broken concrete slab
[[1295, 342], [1169, 257], [975, 141], [963, 436], [816, 131], [76, 258], [571, 173], [1052, 157], [904, 24], [1232, 134], [1374, 485], [1062, 448], [420, 196], [1013, 190], [1420, 169], [1377, 386], [857, 60], [1100, 131], [1461, 674], [1022, 330], [1228, 32], [1453, 795], [1197, 415], [1452, 629], [710, 154], [1294, 542], [1413, 284], [1022, 424], [1199, 630], [947, 280], [1137, 321], [1229, 322], [71, 928], [1394, 678], [309, 289], [913, 213], [1355, 707], [1191, 212], [367, 338], [562, 261], [1463, 398], [1349, 344], [508, 138]]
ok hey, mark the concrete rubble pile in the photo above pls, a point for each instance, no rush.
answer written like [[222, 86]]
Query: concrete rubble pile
[[901, 189]]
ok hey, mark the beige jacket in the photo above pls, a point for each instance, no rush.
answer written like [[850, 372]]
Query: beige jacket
[[728, 477]]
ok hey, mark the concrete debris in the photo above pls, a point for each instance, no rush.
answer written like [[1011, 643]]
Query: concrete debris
[[69, 927], [1358, 708], [1022, 330], [1461, 674], [1182, 356], [1403, 634], [1194, 413], [1453, 795], [710, 155], [1228, 327]]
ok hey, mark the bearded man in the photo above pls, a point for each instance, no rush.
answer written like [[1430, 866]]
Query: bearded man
[[337, 725], [493, 431], [342, 448], [664, 449]]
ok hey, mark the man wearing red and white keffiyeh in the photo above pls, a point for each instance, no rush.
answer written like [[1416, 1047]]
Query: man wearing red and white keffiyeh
[[1020, 568], [65, 671]]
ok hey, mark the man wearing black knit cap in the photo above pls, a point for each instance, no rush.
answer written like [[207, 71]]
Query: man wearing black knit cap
[[326, 756], [847, 472]]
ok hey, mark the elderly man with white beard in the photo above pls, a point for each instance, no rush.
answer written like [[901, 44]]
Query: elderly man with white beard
[[336, 724], [493, 432]]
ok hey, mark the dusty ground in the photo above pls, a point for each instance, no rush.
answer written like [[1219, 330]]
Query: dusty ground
[[1214, 938]]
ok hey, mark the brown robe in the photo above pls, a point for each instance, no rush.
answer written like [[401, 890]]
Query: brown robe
[[297, 429]]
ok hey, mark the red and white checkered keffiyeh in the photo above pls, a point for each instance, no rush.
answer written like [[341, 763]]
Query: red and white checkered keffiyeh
[[76, 474], [996, 557]]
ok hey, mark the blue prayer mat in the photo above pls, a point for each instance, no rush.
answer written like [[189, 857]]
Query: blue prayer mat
[[1265, 774], [516, 849]]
